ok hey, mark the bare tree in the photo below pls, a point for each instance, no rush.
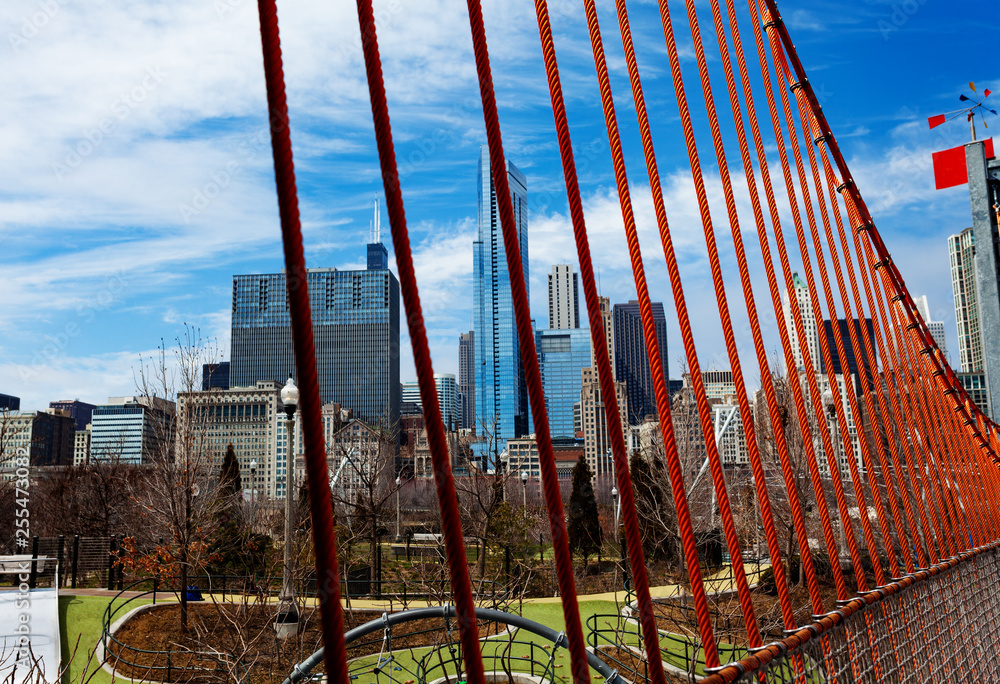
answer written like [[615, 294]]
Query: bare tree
[[177, 493]]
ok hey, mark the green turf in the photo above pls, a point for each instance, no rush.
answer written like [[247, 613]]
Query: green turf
[[80, 616], [80, 621]]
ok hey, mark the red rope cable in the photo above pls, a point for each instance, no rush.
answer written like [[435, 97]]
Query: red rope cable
[[797, 394], [774, 409], [652, 347], [845, 438], [946, 376], [883, 405], [633, 540], [691, 354], [320, 505], [451, 524], [525, 332], [866, 377]]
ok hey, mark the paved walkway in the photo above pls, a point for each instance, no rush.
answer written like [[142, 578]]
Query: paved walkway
[[719, 582]]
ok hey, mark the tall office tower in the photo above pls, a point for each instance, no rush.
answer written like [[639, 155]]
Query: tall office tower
[[9, 403], [609, 334], [564, 298], [632, 360], [45, 436], [501, 391], [719, 385], [131, 429], [467, 379], [81, 446], [936, 327], [562, 356], [355, 317], [215, 376], [596, 440], [252, 419], [447, 391], [962, 254], [857, 359], [411, 393], [801, 293], [79, 411]]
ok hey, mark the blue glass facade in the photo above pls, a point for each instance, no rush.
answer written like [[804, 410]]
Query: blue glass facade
[[355, 318], [562, 356], [501, 392], [632, 361], [215, 376]]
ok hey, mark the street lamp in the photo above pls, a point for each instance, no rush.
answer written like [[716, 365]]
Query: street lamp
[[524, 488], [253, 489], [399, 537], [286, 623]]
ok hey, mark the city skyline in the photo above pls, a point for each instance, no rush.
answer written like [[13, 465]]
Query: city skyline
[[186, 174]]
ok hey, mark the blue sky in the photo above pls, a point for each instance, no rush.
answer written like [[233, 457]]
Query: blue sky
[[136, 169]]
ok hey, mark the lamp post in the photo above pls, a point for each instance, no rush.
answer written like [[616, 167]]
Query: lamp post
[[286, 623], [614, 503], [253, 490], [399, 536], [524, 488], [831, 416]]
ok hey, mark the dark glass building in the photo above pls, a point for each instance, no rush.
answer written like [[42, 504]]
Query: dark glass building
[[79, 411], [501, 391], [631, 359], [856, 358], [355, 317], [215, 376], [9, 403]]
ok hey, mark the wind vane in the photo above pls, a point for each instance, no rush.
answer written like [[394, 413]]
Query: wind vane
[[970, 111], [949, 165]]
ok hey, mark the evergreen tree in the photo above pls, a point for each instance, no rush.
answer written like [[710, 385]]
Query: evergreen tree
[[230, 485], [584, 525]]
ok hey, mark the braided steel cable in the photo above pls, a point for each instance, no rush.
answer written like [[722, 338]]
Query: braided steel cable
[[774, 411], [866, 373], [652, 346], [759, 349], [529, 357], [824, 347], [633, 541], [906, 483], [970, 415], [944, 524], [803, 415], [320, 504], [691, 353], [451, 524]]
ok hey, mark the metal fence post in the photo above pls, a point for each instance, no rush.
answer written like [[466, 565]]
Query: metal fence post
[[76, 557], [112, 547], [57, 578], [34, 563]]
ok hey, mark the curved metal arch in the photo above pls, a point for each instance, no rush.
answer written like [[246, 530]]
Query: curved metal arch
[[302, 670]]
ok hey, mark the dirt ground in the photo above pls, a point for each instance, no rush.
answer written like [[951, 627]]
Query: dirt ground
[[225, 640]]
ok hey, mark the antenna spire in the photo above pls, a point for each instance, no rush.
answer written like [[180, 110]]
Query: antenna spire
[[377, 228]]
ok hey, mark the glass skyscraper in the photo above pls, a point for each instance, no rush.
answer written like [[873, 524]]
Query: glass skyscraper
[[562, 356], [501, 392], [632, 360], [355, 317]]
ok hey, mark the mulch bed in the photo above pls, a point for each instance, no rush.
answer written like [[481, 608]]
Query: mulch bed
[[244, 633]]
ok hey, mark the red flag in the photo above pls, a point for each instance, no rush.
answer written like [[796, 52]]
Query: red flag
[[935, 120], [949, 165]]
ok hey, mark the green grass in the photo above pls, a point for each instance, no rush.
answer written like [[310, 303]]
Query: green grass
[[80, 618]]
